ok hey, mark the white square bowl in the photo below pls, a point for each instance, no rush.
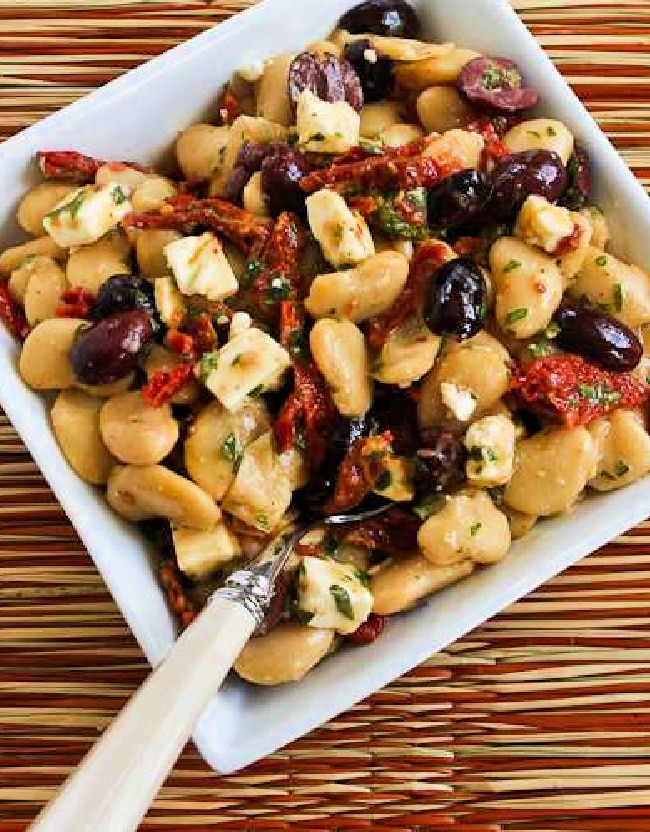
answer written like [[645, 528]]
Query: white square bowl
[[137, 117]]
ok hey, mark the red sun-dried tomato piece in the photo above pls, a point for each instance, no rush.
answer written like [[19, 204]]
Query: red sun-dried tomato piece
[[77, 302], [370, 630], [11, 314], [164, 384]]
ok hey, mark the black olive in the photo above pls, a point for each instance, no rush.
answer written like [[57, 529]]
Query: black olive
[[123, 293], [109, 350], [377, 76], [532, 172], [459, 199], [282, 171], [598, 337], [391, 18], [455, 303], [441, 466]]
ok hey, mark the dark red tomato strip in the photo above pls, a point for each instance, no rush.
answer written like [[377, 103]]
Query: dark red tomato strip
[[77, 302], [163, 385], [11, 315], [68, 164], [181, 343], [570, 390], [380, 172], [394, 531], [370, 630]]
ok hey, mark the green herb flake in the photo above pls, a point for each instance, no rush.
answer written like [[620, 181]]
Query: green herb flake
[[511, 265], [279, 289], [601, 260], [253, 269], [384, 481], [231, 450], [534, 133], [539, 349], [317, 137], [429, 506], [342, 601], [618, 297], [302, 616], [119, 197], [81, 329], [209, 362], [622, 468], [262, 521], [475, 529], [516, 315], [552, 331], [256, 392], [300, 442], [599, 394], [492, 78], [497, 494], [363, 577], [372, 148], [73, 207], [551, 131]]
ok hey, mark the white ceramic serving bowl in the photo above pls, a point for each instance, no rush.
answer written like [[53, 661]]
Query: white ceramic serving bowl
[[137, 117]]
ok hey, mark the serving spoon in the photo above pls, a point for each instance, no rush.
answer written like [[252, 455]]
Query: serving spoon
[[118, 779]]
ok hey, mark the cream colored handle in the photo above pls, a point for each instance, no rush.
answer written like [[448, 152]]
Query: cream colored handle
[[120, 776]]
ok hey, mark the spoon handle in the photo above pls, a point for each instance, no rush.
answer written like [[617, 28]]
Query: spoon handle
[[118, 779]]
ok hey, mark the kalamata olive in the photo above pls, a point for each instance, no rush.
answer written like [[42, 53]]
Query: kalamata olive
[[579, 174], [395, 410], [598, 337], [249, 161], [281, 174], [326, 77], [496, 83], [123, 293], [456, 299], [459, 199], [377, 76], [441, 466], [532, 172], [392, 18], [109, 350]]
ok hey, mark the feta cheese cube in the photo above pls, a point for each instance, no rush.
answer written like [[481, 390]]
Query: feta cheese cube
[[344, 236], [200, 267], [490, 444], [169, 301], [458, 400], [326, 127], [88, 213], [334, 594], [200, 553], [249, 364], [542, 224]]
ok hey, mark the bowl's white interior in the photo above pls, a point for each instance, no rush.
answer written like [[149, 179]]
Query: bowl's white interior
[[137, 117]]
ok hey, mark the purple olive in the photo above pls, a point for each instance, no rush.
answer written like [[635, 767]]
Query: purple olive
[[579, 173], [441, 466], [532, 172], [496, 83], [377, 76], [327, 77], [598, 337], [109, 350], [459, 198], [456, 299], [281, 174], [123, 293], [391, 18]]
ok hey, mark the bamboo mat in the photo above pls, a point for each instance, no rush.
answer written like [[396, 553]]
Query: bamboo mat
[[540, 720]]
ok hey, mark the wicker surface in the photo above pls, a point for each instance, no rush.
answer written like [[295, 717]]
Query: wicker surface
[[540, 720]]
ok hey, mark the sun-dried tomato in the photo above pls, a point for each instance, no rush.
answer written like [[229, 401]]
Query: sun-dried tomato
[[386, 173], [177, 597], [202, 330], [427, 259], [352, 485], [308, 415], [570, 390], [77, 302], [185, 213], [181, 343], [394, 531], [164, 384], [570, 242], [370, 630], [75, 167], [229, 105], [292, 328], [494, 148], [365, 205], [466, 246], [11, 315], [278, 276]]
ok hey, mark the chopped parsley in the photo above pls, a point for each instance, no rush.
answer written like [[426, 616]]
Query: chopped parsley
[[302, 616], [256, 392], [253, 268], [262, 521], [279, 289], [363, 576], [429, 506], [73, 207], [539, 349], [601, 261], [551, 131], [494, 77], [231, 450], [511, 265], [621, 469], [475, 529], [599, 394], [534, 133], [497, 493], [372, 148], [81, 329], [317, 137], [119, 197], [618, 297], [209, 362], [342, 601], [516, 315], [384, 481], [552, 330], [300, 442]]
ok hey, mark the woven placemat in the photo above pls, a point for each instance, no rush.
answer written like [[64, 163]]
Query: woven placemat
[[539, 720]]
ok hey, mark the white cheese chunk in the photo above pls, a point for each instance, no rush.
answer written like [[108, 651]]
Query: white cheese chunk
[[250, 363], [169, 301], [200, 553], [458, 400], [200, 267], [344, 236], [334, 595], [542, 224], [86, 214], [252, 72], [490, 443], [240, 322], [326, 127]]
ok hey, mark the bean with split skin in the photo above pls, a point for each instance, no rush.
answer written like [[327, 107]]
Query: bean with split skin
[[109, 350]]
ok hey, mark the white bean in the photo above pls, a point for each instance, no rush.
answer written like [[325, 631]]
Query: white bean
[[404, 581], [75, 419], [339, 350], [286, 654], [44, 362], [38, 202], [135, 432]]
